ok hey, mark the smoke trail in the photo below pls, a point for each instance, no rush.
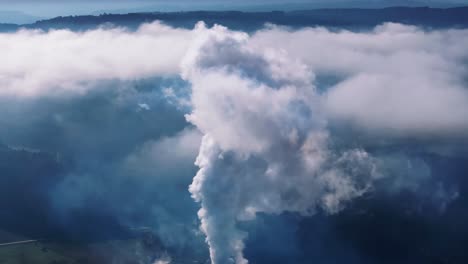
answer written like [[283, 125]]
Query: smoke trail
[[265, 147]]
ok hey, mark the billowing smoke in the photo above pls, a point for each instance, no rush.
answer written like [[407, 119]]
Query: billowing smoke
[[269, 146], [284, 121]]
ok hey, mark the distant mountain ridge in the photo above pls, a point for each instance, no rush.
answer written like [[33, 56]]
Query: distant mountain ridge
[[291, 6], [343, 18]]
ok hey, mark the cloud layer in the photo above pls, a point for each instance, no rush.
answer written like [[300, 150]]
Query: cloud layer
[[61, 60]]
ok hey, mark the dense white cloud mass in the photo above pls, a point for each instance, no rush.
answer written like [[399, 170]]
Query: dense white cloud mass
[[36, 62], [397, 79], [270, 143]]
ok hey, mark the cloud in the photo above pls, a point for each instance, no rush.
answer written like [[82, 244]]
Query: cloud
[[396, 80], [166, 153], [62, 60]]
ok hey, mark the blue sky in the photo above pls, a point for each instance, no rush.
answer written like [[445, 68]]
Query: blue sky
[[48, 8]]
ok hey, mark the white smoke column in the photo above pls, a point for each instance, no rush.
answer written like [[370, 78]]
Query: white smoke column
[[265, 147]]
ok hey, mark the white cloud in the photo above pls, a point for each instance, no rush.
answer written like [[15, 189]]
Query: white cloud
[[398, 80], [37, 63], [166, 153]]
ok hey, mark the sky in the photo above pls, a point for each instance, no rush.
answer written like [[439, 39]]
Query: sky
[[51, 8]]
